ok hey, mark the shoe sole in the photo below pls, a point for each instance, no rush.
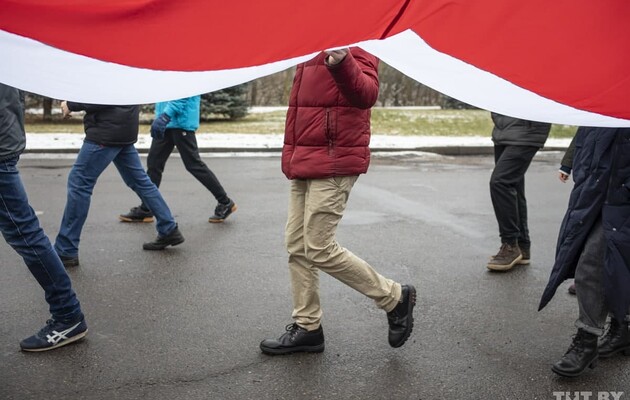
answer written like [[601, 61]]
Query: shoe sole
[[65, 342], [504, 267], [300, 349], [218, 221], [125, 219], [592, 365], [412, 304], [523, 262]]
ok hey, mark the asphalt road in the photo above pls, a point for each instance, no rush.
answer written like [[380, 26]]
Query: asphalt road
[[185, 323]]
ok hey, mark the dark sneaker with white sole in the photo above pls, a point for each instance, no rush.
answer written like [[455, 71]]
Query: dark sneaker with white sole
[[400, 319], [55, 334], [222, 211], [295, 340], [137, 214], [174, 238]]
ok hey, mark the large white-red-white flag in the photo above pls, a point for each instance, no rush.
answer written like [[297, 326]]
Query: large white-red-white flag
[[562, 61]]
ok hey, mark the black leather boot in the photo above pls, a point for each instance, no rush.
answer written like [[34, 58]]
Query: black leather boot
[[400, 319], [295, 339], [616, 340], [581, 354]]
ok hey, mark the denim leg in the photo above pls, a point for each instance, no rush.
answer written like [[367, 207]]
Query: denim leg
[[21, 230], [90, 164], [589, 282], [132, 172]]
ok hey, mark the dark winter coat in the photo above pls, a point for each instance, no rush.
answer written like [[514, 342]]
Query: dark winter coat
[[109, 125], [12, 138], [601, 171], [327, 130], [566, 164], [509, 131]]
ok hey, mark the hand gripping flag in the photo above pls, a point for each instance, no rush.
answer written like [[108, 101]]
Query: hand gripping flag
[[564, 61]]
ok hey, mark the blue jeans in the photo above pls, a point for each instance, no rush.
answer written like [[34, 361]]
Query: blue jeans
[[20, 228], [90, 164]]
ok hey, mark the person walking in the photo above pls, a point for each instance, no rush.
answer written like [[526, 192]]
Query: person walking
[[110, 132], [326, 148], [21, 230], [516, 141], [174, 126], [594, 246]]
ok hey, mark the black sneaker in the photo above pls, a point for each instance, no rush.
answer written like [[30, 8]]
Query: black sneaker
[[400, 319], [137, 214], [222, 211], [69, 261], [161, 242], [296, 339], [55, 334]]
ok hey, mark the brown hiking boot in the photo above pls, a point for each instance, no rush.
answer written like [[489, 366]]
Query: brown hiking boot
[[506, 258]]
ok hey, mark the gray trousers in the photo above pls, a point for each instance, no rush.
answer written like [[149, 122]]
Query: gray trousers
[[589, 283]]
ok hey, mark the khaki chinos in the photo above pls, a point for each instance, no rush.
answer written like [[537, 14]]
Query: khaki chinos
[[315, 208]]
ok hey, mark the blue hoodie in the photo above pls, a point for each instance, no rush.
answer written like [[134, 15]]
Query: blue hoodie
[[184, 113]]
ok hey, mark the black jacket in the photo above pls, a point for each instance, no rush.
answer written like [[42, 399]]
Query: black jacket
[[601, 171], [109, 125], [12, 138], [518, 132]]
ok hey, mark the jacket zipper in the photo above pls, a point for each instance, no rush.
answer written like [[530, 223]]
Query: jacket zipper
[[329, 133]]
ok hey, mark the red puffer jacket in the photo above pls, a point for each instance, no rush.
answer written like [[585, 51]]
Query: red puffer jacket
[[327, 129]]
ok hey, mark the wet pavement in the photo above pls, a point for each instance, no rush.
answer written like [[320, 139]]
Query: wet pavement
[[185, 323]]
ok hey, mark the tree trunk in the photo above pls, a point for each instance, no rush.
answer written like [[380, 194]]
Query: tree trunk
[[47, 106]]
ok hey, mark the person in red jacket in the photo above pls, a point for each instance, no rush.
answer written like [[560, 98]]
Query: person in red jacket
[[326, 147]]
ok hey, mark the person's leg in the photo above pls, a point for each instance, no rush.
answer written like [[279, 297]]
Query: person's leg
[[21, 230], [307, 311], [583, 351], [325, 203], [91, 162], [159, 152], [511, 163], [589, 286], [524, 242], [130, 168], [306, 333], [186, 143]]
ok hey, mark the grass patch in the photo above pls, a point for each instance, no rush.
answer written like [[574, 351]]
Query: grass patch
[[385, 121]]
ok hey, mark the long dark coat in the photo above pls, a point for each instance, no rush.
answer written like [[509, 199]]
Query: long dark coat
[[601, 171]]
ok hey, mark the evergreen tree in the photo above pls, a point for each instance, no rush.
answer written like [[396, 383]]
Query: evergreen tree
[[231, 103]]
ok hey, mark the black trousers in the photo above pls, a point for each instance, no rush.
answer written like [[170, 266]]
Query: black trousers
[[507, 190], [186, 144]]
